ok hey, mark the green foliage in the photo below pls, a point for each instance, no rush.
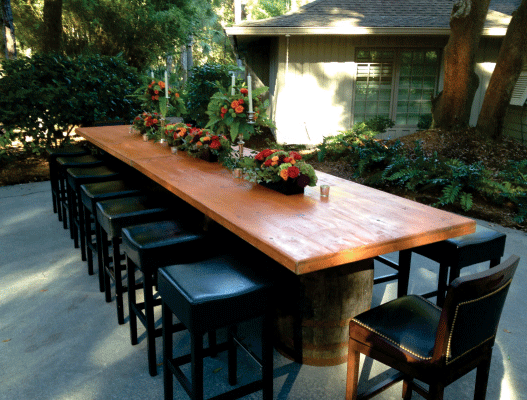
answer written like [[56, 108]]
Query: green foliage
[[335, 147], [451, 180], [47, 95], [424, 122], [202, 85]]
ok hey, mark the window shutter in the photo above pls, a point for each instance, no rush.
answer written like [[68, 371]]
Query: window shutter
[[519, 94]]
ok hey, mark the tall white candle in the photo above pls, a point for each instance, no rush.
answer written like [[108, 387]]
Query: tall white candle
[[250, 93], [166, 84], [152, 74], [233, 82]]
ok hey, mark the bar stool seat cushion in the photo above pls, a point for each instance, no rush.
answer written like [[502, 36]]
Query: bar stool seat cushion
[[113, 215], [480, 246], [79, 176], [66, 151], [91, 193], [157, 244], [214, 293], [86, 160]]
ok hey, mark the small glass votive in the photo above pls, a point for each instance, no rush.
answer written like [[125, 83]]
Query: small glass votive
[[163, 142], [145, 138], [173, 149], [324, 190], [237, 172]]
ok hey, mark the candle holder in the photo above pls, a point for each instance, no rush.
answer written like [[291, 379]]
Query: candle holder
[[240, 145], [145, 137], [250, 117], [238, 172]]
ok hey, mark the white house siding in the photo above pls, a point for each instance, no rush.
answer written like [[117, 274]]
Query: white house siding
[[515, 123]]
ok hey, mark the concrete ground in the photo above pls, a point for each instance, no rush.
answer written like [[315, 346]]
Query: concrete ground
[[60, 340]]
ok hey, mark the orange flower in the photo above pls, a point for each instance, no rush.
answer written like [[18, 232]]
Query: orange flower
[[234, 104], [238, 110], [161, 84], [284, 174], [153, 97], [177, 94], [199, 144], [275, 158], [156, 97], [244, 91]]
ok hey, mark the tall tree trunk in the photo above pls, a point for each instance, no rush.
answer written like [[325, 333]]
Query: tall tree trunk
[[9, 30], [451, 109], [52, 39], [512, 56]]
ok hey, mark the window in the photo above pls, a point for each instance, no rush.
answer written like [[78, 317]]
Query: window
[[396, 84]]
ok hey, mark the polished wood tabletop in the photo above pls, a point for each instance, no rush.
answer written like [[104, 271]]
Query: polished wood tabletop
[[304, 233]]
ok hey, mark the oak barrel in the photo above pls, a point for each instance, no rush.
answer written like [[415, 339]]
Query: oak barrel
[[312, 319]]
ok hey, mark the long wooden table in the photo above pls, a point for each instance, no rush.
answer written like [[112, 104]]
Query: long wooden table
[[329, 243]]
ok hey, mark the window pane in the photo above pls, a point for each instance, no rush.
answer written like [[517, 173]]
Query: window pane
[[374, 86], [417, 83]]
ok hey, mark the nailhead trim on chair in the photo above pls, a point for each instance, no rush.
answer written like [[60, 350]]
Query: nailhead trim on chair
[[448, 355]]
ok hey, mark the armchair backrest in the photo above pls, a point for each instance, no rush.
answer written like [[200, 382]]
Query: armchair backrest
[[472, 311]]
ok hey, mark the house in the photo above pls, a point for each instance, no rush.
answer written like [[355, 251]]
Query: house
[[332, 63]]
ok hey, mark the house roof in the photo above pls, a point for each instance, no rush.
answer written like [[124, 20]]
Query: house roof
[[373, 17]]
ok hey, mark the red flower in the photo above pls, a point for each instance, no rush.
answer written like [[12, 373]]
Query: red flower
[[240, 101], [268, 163], [223, 110], [156, 91], [215, 144], [222, 115], [295, 155], [293, 172], [244, 91]]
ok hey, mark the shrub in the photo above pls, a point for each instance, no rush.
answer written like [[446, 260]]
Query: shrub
[[47, 95], [202, 85]]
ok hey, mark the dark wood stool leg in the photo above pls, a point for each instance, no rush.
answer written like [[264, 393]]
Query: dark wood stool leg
[[70, 211], [132, 301], [106, 266], [150, 322], [267, 356], [442, 283], [118, 280], [168, 377], [100, 259], [196, 357], [405, 258], [232, 355], [81, 224], [89, 234]]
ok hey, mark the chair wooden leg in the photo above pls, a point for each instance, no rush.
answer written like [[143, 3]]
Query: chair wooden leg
[[405, 258], [407, 389], [196, 357], [150, 321], [442, 283], [100, 260], [118, 280], [267, 356], [352, 379], [437, 391], [232, 355], [482, 378], [168, 377], [88, 238], [132, 300], [106, 266]]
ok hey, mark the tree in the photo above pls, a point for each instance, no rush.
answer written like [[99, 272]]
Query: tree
[[511, 58], [52, 38], [9, 30], [451, 108]]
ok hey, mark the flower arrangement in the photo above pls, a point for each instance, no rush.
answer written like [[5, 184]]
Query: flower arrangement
[[176, 133], [204, 144], [274, 165], [153, 96], [147, 122], [228, 112]]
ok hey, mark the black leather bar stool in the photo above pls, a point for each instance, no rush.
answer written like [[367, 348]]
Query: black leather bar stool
[[460, 252], [149, 247], [76, 177], [219, 292], [53, 154], [113, 216], [63, 163], [91, 193]]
